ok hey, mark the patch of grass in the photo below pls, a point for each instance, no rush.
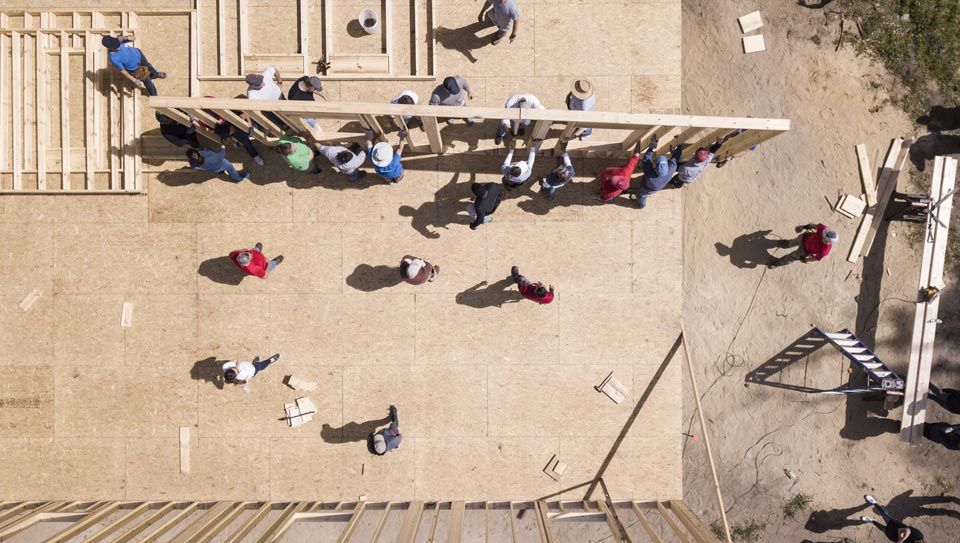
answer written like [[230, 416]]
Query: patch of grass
[[748, 531], [796, 504]]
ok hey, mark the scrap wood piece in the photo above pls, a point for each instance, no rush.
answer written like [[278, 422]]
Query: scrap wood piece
[[300, 412], [555, 468], [750, 22], [754, 44], [866, 176], [184, 449], [299, 384], [896, 157], [850, 206], [925, 320], [29, 300], [126, 315], [612, 388]]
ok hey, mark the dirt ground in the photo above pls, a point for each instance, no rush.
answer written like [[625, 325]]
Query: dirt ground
[[738, 314]]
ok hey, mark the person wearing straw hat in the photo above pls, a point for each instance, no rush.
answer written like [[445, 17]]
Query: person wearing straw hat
[[813, 243], [385, 161], [582, 98]]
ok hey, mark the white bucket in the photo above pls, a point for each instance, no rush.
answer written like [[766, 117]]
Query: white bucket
[[370, 21]]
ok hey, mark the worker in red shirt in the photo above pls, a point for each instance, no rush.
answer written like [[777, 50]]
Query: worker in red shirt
[[530, 290], [813, 243], [614, 180], [252, 261]]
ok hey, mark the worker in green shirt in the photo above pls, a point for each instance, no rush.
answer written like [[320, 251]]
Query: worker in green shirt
[[298, 154]]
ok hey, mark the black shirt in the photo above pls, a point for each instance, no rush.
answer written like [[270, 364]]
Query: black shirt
[[296, 94]]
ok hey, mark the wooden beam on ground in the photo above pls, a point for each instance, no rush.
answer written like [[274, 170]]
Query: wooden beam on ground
[[112, 528], [200, 525], [616, 531], [303, 18], [7, 514], [874, 214], [221, 40], [146, 523], [694, 525], [81, 526], [89, 99], [672, 524], [100, 100], [647, 527], [195, 50], [383, 522], [411, 522], [161, 530], [432, 128], [43, 110], [706, 436], [513, 523], [455, 524], [352, 523], [433, 525], [432, 30], [543, 522], [75, 21], [242, 38], [64, 113], [936, 232], [866, 175], [244, 530], [17, 123]]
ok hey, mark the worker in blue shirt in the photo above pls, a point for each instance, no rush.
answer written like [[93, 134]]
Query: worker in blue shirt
[[386, 162], [657, 172], [132, 63]]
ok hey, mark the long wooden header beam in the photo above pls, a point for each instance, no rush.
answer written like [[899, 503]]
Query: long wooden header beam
[[671, 130]]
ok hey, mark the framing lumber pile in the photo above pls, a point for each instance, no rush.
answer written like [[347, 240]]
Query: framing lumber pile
[[886, 183], [44, 83], [925, 320], [232, 522], [550, 123]]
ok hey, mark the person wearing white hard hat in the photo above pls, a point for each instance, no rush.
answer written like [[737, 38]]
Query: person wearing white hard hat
[[387, 439], [813, 243], [385, 161], [582, 98]]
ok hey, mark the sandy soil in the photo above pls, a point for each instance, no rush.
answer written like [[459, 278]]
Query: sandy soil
[[739, 314]]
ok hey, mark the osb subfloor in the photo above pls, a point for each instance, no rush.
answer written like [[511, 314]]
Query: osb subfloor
[[488, 387]]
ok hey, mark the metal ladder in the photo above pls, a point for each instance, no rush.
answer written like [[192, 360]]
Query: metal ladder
[[858, 353]]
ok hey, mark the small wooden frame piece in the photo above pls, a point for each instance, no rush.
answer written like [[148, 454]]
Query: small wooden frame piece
[[754, 44], [850, 206], [296, 383], [613, 388], [29, 300], [184, 450], [866, 175], [555, 468], [359, 64], [750, 22], [300, 412], [896, 156], [126, 315]]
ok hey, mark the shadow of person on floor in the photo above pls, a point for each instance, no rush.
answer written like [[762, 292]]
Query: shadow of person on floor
[[947, 398], [865, 426], [941, 118], [221, 270], [369, 278], [811, 5], [928, 146], [944, 434], [352, 431], [465, 39], [749, 250], [825, 520], [428, 214], [209, 369], [494, 295]]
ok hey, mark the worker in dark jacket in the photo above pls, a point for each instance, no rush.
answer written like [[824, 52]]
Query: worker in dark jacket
[[488, 196], [657, 172], [177, 133], [389, 438]]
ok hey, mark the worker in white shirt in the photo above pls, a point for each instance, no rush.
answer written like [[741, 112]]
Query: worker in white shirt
[[408, 98], [517, 173], [241, 372], [523, 101]]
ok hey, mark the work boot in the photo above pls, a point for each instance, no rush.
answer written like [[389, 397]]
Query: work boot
[[258, 160], [278, 259], [496, 39], [160, 75], [434, 274], [642, 202], [514, 272], [258, 246]]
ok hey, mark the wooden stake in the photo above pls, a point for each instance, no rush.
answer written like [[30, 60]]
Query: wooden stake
[[866, 175]]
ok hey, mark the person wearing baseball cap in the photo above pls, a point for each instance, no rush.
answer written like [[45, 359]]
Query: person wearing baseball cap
[[454, 91], [131, 62], [305, 89], [387, 439], [813, 243], [385, 161], [252, 261], [689, 171], [582, 98], [266, 86]]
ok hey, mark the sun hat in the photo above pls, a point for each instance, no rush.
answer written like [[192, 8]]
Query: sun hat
[[382, 154], [582, 89], [379, 444], [244, 258]]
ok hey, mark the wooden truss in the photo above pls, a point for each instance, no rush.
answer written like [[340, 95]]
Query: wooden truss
[[342, 65], [627, 128], [232, 522], [925, 320], [38, 76]]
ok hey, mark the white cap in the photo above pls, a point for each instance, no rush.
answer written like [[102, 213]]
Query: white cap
[[244, 258], [413, 267], [379, 444], [830, 237], [382, 154]]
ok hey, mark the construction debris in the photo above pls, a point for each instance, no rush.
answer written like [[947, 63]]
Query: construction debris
[[754, 44], [299, 413], [750, 22], [850, 206], [555, 468], [299, 384], [31, 299], [184, 449], [614, 389], [126, 315]]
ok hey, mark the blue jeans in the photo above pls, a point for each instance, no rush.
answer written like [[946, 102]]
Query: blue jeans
[[226, 166], [148, 82], [260, 365]]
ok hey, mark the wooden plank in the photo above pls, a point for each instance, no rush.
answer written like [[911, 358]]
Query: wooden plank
[[640, 133], [612, 523], [352, 523], [129, 137], [17, 89], [213, 530], [184, 449], [47, 21], [750, 22], [75, 21], [303, 14], [866, 175], [513, 524], [112, 528], [28, 519], [432, 128], [455, 523], [243, 37], [251, 523], [896, 155], [79, 527], [195, 51], [569, 130], [388, 34], [359, 63], [281, 529], [137, 150], [432, 29], [198, 526], [43, 111], [672, 524], [64, 113], [7, 514], [29, 94], [100, 65], [706, 142], [89, 100], [327, 28], [160, 530], [754, 44], [436, 518], [221, 39], [263, 121], [647, 527], [146, 523], [543, 522], [415, 44], [4, 103], [386, 511], [116, 88], [411, 522], [700, 531], [925, 320]]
